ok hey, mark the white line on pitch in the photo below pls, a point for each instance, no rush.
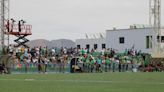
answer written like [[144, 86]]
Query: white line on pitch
[[84, 81]]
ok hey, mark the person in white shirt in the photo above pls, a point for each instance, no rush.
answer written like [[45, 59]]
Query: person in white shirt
[[46, 60]]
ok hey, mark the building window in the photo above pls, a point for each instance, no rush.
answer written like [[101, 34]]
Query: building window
[[149, 43], [121, 40], [78, 47], [87, 46], [158, 38], [95, 46], [103, 46], [162, 39]]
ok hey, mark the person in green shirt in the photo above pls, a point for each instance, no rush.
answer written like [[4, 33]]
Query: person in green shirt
[[92, 62], [113, 64], [82, 51], [122, 63], [107, 64], [87, 63], [126, 52], [44, 51], [127, 64]]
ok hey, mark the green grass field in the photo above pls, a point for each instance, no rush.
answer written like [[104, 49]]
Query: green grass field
[[96, 82]]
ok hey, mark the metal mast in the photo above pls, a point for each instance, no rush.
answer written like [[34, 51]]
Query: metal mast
[[155, 22], [4, 17]]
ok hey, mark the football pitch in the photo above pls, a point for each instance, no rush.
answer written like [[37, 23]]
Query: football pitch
[[83, 82]]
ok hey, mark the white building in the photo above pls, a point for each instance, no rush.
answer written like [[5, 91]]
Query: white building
[[137, 38], [121, 39]]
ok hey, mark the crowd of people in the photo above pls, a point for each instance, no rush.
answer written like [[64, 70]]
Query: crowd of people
[[59, 60]]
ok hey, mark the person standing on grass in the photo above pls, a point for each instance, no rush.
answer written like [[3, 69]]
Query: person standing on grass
[[65, 60], [126, 64], [45, 63], [39, 65], [119, 65], [92, 62], [25, 64], [87, 63], [98, 64], [60, 63], [107, 64], [123, 65], [113, 64], [54, 62], [81, 62]]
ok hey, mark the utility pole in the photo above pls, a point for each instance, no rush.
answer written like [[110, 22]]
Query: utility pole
[[4, 17], [155, 23]]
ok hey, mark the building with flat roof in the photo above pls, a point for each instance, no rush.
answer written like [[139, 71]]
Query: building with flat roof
[[143, 39]]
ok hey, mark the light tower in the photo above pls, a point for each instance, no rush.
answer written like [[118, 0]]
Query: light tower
[[155, 23], [4, 17]]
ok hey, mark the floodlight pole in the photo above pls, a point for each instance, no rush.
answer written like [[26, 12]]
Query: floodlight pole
[[4, 17], [155, 23]]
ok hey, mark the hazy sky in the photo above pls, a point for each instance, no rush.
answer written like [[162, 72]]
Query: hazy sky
[[71, 19]]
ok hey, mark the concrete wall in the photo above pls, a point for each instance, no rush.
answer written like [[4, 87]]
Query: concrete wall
[[132, 37]]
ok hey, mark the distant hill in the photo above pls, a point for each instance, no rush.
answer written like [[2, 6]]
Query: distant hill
[[54, 43], [63, 43], [39, 42]]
